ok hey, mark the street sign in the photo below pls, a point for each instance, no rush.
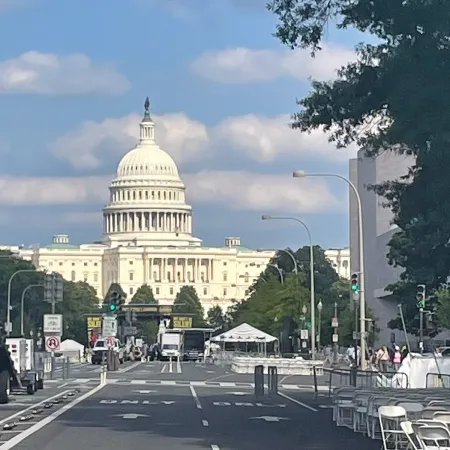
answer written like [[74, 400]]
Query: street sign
[[110, 341], [139, 343], [335, 338], [334, 322], [308, 324], [304, 334], [52, 343], [94, 322], [182, 322], [53, 323], [129, 331], [109, 326]]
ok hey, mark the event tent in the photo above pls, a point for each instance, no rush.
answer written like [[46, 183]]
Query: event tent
[[244, 333]]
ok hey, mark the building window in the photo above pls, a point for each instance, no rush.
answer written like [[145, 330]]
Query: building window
[[179, 276], [171, 291], [157, 291], [169, 276], [50, 264], [95, 264], [246, 277], [224, 292], [225, 276], [202, 277], [131, 291], [131, 263], [224, 263], [247, 292], [189, 276], [73, 264], [205, 291], [155, 276], [85, 276], [85, 264], [60, 263], [73, 275], [95, 277], [131, 276]]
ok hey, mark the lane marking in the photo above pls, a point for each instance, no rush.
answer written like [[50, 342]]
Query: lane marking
[[195, 396], [304, 405], [63, 385], [215, 447], [127, 369], [205, 423], [34, 405], [44, 422], [164, 368], [179, 370]]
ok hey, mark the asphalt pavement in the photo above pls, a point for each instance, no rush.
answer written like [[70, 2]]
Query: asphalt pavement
[[145, 405]]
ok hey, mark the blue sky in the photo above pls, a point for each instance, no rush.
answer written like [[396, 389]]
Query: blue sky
[[73, 79]]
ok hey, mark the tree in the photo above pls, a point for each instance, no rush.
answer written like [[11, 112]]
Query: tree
[[79, 300], [187, 302], [393, 98], [144, 295], [215, 317]]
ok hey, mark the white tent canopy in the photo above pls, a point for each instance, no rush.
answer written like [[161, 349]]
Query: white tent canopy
[[244, 333], [70, 345]]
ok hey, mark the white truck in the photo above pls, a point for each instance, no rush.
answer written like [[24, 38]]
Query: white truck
[[22, 355], [171, 345]]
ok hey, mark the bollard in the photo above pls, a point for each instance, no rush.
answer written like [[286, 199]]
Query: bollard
[[103, 373], [353, 376], [68, 368], [259, 381], [272, 380], [170, 365], [63, 369]]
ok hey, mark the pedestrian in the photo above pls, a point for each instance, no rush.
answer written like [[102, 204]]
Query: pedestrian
[[383, 358], [397, 359]]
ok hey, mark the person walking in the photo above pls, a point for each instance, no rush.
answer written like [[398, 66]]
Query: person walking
[[397, 359]]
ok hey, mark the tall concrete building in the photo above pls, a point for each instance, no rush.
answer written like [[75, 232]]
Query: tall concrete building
[[378, 230]]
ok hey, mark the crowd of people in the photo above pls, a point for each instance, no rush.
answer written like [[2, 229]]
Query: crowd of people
[[385, 358]]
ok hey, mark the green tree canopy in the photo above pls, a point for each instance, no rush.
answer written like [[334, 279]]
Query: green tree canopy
[[144, 295], [79, 300], [393, 98], [215, 317], [187, 302]]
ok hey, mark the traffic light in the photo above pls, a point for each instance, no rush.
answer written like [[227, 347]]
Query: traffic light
[[113, 302], [354, 282], [420, 295]]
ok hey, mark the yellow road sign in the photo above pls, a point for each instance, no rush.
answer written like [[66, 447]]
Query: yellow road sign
[[182, 322], [94, 322]]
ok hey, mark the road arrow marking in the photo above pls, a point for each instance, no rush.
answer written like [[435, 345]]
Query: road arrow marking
[[131, 416], [236, 393], [144, 392], [270, 418]]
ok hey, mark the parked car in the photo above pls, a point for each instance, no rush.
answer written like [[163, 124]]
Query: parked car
[[100, 349]]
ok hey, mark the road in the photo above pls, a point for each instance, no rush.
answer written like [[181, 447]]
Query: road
[[146, 406]]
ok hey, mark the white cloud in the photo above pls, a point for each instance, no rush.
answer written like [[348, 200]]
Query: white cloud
[[244, 65], [52, 190], [93, 143], [260, 138], [238, 190], [46, 73], [260, 192]]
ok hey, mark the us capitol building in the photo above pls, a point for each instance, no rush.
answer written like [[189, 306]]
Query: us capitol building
[[147, 228]]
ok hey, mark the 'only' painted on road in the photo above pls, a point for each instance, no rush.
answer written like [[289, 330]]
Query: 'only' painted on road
[[167, 402]]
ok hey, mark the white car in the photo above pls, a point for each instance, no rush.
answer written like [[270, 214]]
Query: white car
[[100, 349]]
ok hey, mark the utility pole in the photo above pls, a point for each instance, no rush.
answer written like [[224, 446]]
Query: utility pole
[[335, 334]]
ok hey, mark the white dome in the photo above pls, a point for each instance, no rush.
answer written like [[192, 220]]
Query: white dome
[[147, 161]]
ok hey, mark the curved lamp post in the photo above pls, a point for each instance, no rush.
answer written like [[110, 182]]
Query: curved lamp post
[[311, 264], [362, 296], [279, 271], [22, 302]]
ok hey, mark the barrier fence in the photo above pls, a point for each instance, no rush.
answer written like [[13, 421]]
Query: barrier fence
[[354, 377], [437, 380]]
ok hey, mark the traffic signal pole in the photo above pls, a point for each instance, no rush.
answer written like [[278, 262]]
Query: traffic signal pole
[[421, 299]]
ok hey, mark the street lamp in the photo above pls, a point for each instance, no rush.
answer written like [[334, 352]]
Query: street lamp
[[291, 255], [304, 310], [279, 271], [22, 302], [319, 308], [311, 264], [362, 296], [8, 305]]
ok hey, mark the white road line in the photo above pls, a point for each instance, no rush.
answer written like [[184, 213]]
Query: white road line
[[179, 366], [34, 405], [63, 385], [304, 405], [132, 366], [164, 368], [215, 447], [205, 423], [44, 422], [195, 396]]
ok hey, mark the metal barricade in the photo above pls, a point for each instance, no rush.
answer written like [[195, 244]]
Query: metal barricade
[[272, 380], [259, 381]]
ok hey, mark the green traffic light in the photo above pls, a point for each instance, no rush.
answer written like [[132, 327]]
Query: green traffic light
[[354, 287], [112, 307]]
